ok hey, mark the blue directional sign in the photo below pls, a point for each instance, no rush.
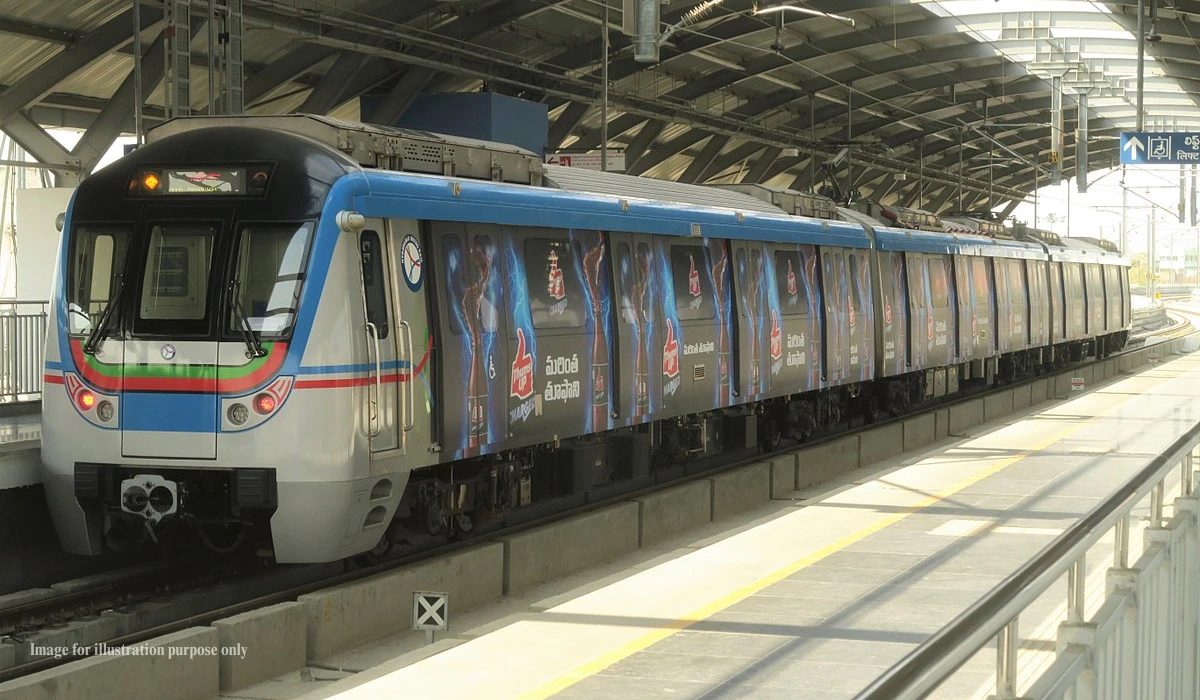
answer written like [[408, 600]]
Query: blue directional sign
[[1159, 147]]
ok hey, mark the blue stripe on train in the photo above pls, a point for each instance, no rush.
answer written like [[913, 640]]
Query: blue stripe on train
[[175, 413]]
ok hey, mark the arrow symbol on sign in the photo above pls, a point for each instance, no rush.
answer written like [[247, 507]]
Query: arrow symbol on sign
[[1132, 145]]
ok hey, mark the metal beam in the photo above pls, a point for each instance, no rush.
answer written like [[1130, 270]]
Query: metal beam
[[665, 150], [730, 158], [105, 39], [284, 70], [401, 95], [333, 85], [766, 160], [40, 32], [642, 142], [108, 125], [568, 120], [42, 147], [704, 159]]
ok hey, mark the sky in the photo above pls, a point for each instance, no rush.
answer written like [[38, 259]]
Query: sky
[[1153, 194]]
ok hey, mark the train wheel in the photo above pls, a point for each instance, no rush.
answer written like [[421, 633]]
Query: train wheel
[[379, 553], [872, 408], [771, 434]]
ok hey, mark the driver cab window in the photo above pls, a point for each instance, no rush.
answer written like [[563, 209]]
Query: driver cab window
[[97, 257]]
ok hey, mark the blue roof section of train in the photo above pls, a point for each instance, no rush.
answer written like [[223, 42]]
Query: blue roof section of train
[[431, 197], [948, 243]]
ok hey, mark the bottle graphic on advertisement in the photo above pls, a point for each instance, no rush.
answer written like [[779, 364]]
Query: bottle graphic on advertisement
[[693, 278], [593, 268], [641, 369], [477, 390], [720, 281], [554, 285]]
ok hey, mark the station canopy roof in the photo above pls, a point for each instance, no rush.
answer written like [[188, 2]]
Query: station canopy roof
[[941, 105]]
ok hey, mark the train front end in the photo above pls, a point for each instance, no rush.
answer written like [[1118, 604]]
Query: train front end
[[187, 288]]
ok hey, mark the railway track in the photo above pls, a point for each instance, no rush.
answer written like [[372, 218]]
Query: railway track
[[265, 585]]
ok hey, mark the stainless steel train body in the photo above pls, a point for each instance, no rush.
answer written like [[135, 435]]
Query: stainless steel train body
[[253, 331]]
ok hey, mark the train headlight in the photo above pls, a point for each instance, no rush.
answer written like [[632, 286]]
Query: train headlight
[[264, 403], [86, 400], [239, 414], [105, 411]]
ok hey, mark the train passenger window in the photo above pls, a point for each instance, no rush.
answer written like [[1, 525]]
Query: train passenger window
[[790, 283], [693, 283], [556, 294], [270, 265], [938, 283], [374, 281], [178, 262], [99, 256]]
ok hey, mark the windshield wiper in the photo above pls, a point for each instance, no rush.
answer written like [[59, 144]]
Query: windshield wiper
[[99, 330], [254, 348]]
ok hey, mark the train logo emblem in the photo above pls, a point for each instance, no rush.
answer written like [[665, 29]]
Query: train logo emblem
[[522, 370], [555, 286], [412, 263], [167, 352], [776, 336], [791, 280], [693, 278], [671, 352]]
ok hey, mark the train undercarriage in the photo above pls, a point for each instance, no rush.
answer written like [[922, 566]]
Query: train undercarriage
[[453, 500]]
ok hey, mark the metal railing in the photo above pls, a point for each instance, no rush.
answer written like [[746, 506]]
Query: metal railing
[[1142, 640], [22, 349]]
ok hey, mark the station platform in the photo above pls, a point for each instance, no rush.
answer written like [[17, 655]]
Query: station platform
[[817, 599], [20, 442]]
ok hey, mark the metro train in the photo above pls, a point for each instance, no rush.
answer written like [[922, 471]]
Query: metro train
[[321, 337]]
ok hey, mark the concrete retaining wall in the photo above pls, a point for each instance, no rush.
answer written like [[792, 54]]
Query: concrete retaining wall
[[1022, 397], [268, 643], [823, 462], [997, 405], [740, 489], [919, 431], [147, 676], [966, 414], [783, 475], [355, 614], [674, 511], [941, 423], [555, 550], [877, 444], [1038, 389]]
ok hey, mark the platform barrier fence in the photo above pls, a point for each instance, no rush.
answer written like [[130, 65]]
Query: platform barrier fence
[[22, 341], [1142, 638]]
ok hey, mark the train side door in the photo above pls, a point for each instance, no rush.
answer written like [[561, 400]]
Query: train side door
[[414, 339], [382, 420]]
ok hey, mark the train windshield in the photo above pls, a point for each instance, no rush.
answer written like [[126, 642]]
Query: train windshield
[[269, 271], [97, 259], [174, 287]]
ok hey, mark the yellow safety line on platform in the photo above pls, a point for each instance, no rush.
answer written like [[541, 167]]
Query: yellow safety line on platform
[[650, 638]]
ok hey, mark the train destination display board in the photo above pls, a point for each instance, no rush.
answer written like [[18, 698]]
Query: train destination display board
[[208, 181], [1159, 148]]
